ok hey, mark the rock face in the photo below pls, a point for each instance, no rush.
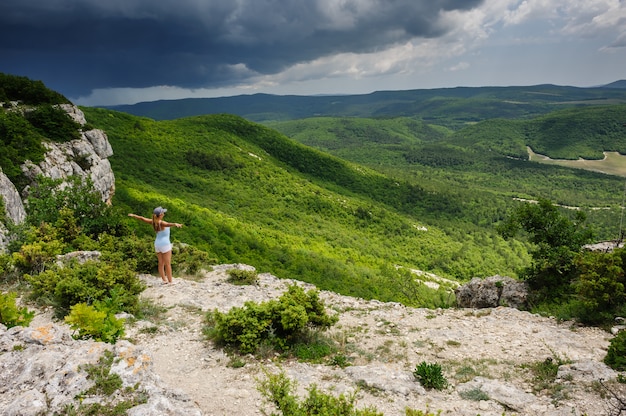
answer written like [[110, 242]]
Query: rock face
[[13, 206], [492, 292], [86, 157], [43, 370], [12, 202]]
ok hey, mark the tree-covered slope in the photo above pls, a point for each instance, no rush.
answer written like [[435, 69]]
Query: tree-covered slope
[[565, 134], [249, 194], [485, 164]]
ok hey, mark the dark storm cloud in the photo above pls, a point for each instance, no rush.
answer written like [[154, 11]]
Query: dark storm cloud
[[75, 46]]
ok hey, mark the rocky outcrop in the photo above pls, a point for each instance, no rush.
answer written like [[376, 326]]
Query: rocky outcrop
[[86, 158], [43, 372], [492, 292], [13, 207]]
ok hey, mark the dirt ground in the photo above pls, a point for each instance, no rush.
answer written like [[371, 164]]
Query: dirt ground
[[383, 341]]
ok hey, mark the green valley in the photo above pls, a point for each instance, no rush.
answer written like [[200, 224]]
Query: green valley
[[486, 164]]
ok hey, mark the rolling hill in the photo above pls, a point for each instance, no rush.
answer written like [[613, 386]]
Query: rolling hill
[[451, 107]]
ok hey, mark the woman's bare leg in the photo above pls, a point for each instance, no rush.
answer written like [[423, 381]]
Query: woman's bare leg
[[167, 262], [161, 257]]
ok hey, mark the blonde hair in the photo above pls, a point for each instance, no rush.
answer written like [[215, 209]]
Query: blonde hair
[[156, 223]]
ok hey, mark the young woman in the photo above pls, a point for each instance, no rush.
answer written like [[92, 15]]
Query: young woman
[[162, 244]]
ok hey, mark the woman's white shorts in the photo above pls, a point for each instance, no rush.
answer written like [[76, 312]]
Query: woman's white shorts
[[163, 249]]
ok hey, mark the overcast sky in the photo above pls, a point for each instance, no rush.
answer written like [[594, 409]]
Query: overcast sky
[[106, 52]]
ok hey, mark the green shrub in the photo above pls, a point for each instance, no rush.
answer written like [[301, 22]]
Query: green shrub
[[89, 322], [87, 283], [10, 314], [54, 123], [20, 88], [7, 268], [93, 216], [137, 253], [191, 260], [212, 161], [33, 257], [242, 277], [430, 376], [279, 390], [616, 354], [557, 240], [281, 322], [20, 142]]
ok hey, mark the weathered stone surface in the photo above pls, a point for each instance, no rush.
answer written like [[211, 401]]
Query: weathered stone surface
[[383, 341], [78, 256], [42, 372], [13, 207], [74, 158], [74, 112], [492, 292], [385, 379], [100, 143], [503, 393], [585, 371], [12, 202]]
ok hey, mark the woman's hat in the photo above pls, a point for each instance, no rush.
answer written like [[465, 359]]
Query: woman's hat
[[159, 211]]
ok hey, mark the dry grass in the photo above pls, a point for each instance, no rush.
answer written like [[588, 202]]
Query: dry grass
[[612, 164]]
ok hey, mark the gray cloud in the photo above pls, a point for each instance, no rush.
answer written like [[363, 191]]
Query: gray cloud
[[76, 46]]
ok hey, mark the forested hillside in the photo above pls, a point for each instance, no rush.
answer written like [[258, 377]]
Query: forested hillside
[[248, 194]]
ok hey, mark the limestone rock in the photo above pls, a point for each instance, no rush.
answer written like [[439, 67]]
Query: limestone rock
[[492, 292], [12, 202], [100, 143], [79, 256], [13, 207], [586, 371], [506, 394], [74, 112], [42, 371], [385, 379], [74, 158]]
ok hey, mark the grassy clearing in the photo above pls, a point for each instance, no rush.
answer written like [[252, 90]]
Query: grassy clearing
[[612, 164]]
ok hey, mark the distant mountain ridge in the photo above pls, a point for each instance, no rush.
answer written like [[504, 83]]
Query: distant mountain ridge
[[617, 84], [452, 107]]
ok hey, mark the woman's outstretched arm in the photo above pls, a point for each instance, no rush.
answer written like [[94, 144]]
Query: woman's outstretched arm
[[140, 218], [171, 224]]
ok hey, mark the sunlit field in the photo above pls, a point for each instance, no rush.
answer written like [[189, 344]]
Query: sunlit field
[[612, 164]]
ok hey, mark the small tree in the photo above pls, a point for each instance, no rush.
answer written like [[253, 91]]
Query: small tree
[[557, 239]]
